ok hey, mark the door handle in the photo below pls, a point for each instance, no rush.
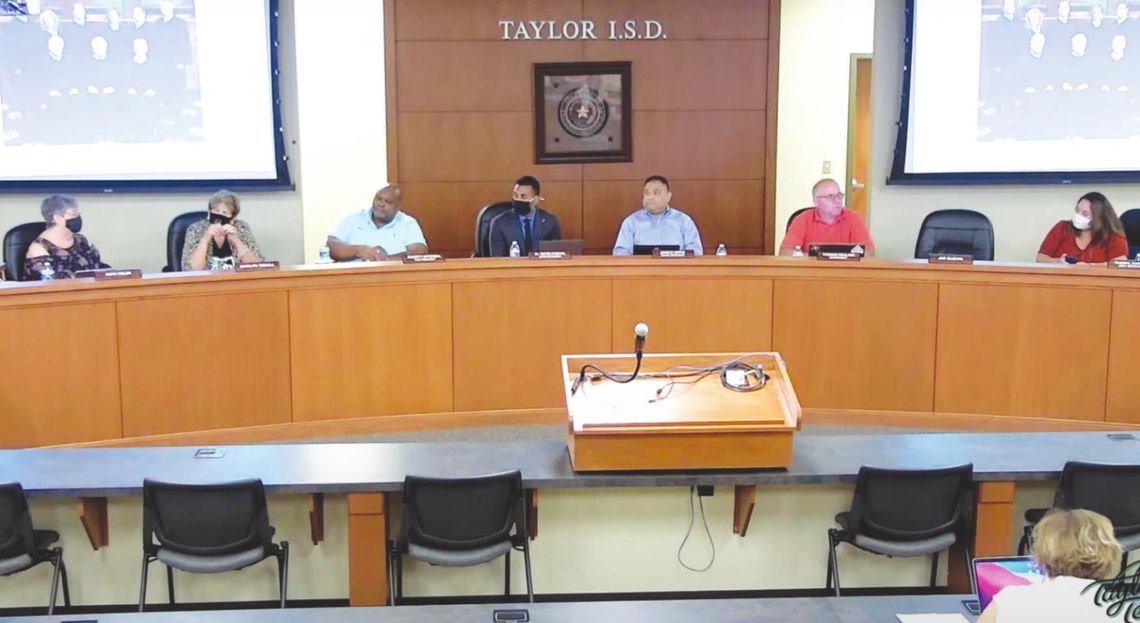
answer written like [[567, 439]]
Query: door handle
[[856, 185]]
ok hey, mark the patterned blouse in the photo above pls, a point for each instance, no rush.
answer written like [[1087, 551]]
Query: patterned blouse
[[65, 262], [217, 258]]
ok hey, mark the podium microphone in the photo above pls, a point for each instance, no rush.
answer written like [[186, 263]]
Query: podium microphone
[[640, 331]]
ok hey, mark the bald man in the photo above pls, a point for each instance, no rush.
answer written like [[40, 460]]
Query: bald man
[[828, 222], [379, 232]]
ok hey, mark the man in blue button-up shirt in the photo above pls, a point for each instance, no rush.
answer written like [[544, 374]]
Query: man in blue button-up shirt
[[657, 223]]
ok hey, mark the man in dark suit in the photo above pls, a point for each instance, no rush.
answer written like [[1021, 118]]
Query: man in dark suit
[[527, 224]]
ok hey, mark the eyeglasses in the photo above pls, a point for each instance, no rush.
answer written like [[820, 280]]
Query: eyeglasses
[[832, 197]]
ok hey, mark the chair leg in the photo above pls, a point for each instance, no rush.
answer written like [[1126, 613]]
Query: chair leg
[[399, 577], [391, 567], [833, 538], [526, 563], [170, 583], [934, 571], [63, 578], [142, 582], [283, 571], [507, 575], [1023, 542], [1123, 562], [827, 586], [54, 581]]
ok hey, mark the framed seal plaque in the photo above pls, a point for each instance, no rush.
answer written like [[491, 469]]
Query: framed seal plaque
[[582, 113]]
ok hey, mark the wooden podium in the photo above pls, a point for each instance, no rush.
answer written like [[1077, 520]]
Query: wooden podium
[[694, 424]]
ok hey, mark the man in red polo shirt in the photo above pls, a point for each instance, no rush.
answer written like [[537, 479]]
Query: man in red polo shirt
[[828, 223]]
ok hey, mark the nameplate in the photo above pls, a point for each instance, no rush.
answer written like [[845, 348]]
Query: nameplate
[[831, 256], [421, 258], [672, 254], [251, 267], [110, 274], [209, 453], [1129, 264], [549, 255], [951, 258]]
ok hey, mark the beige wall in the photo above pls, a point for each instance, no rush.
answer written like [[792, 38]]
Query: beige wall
[[1021, 215], [590, 540], [817, 39]]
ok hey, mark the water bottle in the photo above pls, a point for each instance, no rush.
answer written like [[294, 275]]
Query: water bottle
[[323, 255], [48, 273], [798, 251], [721, 251], [515, 250]]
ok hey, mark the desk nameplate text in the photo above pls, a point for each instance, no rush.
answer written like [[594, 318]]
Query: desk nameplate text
[[672, 254], [950, 258], [549, 255], [423, 258], [110, 274], [257, 266], [829, 256]]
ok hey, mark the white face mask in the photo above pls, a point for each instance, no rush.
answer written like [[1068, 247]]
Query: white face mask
[[1082, 222]]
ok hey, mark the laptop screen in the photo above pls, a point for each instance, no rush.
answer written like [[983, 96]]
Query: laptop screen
[[991, 575]]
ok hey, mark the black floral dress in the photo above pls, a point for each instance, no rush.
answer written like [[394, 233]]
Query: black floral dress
[[65, 262]]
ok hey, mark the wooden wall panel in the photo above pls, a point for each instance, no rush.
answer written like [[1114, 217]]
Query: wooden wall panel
[[694, 315], [201, 363], [1029, 351], [702, 99], [471, 147], [473, 20], [1124, 360], [60, 367], [686, 19], [695, 145], [493, 75], [446, 211], [369, 351], [723, 207], [859, 344], [691, 63], [510, 336]]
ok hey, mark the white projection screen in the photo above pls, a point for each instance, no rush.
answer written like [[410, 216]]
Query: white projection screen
[[1017, 91], [135, 95]]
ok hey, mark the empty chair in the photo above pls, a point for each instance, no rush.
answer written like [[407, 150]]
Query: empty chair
[[208, 529], [16, 243], [959, 232], [176, 238], [1111, 490], [459, 522], [23, 547], [483, 226], [794, 215], [1131, 221], [904, 513]]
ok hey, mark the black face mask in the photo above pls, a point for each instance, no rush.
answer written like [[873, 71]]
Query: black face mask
[[220, 219], [522, 208], [75, 224]]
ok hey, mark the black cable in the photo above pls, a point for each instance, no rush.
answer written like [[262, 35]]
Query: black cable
[[672, 375], [689, 532]]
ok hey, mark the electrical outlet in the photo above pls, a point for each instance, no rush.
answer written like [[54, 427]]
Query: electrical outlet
[[826, 167]]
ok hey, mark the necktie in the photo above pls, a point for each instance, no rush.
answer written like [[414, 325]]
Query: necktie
[[527, 243]]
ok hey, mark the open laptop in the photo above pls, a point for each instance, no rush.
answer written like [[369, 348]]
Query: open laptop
[[647, 249], [571, 247], [990, 575], [816, 249]]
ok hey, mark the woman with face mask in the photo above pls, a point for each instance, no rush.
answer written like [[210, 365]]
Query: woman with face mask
[[1093, 236], [220, 241], [61, 247]]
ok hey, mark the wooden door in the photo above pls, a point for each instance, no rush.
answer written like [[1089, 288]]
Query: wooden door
[[859, 134]]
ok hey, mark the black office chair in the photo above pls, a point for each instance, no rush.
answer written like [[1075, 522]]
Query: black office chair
[[1111, 490], [1131, 221], [23, 547], [960, 232], [176, 239], [483, 226], [208, 529], [905, 513], [16, 243], [794, 215], [459, 522]]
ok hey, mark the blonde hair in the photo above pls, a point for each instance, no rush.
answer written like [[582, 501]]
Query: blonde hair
[[1077, 543]]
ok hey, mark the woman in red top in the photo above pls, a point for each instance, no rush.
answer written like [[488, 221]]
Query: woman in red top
[[1093, 236]]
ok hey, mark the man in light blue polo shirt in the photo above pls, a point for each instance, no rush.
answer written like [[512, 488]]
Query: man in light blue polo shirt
[[377, 233], [657, 223]]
